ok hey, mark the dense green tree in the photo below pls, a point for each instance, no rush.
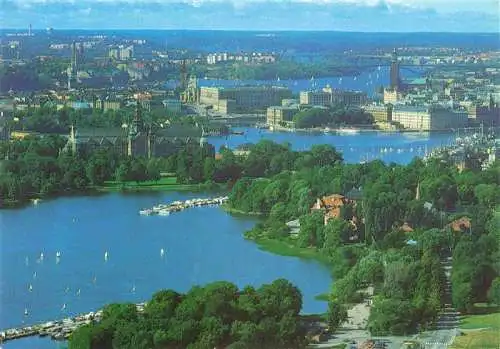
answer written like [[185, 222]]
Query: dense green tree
[[337, 314]]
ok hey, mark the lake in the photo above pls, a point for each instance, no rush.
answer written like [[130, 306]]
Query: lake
[[201, 245]]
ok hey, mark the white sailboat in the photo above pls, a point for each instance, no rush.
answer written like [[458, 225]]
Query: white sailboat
[[30, 288], [78, 292], [106, 255], [41, 256], [133, 289], [63, 308], [58, 254], [26, 261], [26, 312], [34, 275], [162, 252]]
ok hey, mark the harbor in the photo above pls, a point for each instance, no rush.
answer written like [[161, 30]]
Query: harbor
[[56, 330], [176, 206]]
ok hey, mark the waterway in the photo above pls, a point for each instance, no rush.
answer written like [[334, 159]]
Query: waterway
[[364, 146], [197, 251], [368, 81]]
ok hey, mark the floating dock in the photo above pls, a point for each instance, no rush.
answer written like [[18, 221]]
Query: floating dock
[[176, 206], [57, 330]]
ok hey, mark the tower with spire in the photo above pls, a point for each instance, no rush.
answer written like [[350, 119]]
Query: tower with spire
[[394, 72]]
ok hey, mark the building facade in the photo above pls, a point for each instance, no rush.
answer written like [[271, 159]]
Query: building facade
[[242, 99], [329, 96], [280, 116], [380, 113], [430, 118]]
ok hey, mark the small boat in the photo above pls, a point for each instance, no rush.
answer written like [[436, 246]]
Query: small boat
[[25, 311], [66, 290], [163, 213], [58, 254], [78, 292], [347, 130], [106, 255], [133, 289], [34, 275], [41, 256], [63, 308], [162, 252], [30, 288], [146, 212]]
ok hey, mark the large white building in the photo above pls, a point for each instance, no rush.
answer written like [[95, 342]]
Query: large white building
[[427, 118]]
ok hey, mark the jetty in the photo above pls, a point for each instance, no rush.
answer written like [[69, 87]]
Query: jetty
[[57, 330], [176, 206]]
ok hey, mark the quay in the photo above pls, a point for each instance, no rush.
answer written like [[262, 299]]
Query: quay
[[165, 210], [57, 330]]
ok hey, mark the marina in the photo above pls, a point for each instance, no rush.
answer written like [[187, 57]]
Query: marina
[[176, 206], [56, 330]]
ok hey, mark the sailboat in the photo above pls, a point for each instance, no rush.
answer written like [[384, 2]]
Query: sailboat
[[63, 308], [30, 288], [78, 292], [26, 261], [34, 275], [106, 255], [133, 289], [26, 312], [162, 252], [58, 254], [41, 256]]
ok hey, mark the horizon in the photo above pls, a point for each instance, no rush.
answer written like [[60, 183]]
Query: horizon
[[370, 16]]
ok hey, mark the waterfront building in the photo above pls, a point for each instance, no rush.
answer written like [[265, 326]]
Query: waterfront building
[[489, 115], [380, 113], [391, 96], [280, 116], [315, 98], [329, 96], [428, 118], [242, 99]]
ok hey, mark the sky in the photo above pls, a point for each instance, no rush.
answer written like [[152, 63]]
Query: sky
[[339, 15]]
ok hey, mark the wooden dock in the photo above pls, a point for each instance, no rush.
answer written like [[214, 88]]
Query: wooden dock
[[176, 206], [57, 330]]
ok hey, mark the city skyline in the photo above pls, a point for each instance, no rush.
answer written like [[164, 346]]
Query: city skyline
[[337, 15]]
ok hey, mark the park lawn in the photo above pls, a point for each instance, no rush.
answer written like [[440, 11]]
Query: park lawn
[[477, 339], [481, 331], [284, 248]]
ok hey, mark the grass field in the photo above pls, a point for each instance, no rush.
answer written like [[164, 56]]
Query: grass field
[[284, 248], [165, 183], [480, 331]]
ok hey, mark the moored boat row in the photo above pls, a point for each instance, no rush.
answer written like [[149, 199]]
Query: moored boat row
[[165, 210], [57, 330]]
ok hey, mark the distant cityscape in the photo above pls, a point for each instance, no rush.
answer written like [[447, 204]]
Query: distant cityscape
[[452, 88]]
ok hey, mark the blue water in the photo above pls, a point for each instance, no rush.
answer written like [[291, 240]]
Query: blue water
[[201, 245], [368, 81], [365, 146]]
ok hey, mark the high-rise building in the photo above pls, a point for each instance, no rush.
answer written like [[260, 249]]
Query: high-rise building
[[394, 71]]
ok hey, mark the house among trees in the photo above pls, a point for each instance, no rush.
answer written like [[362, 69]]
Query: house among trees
[[333, 206]]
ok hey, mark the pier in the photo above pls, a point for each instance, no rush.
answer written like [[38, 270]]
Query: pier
[[57, 330], [176, 206]]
